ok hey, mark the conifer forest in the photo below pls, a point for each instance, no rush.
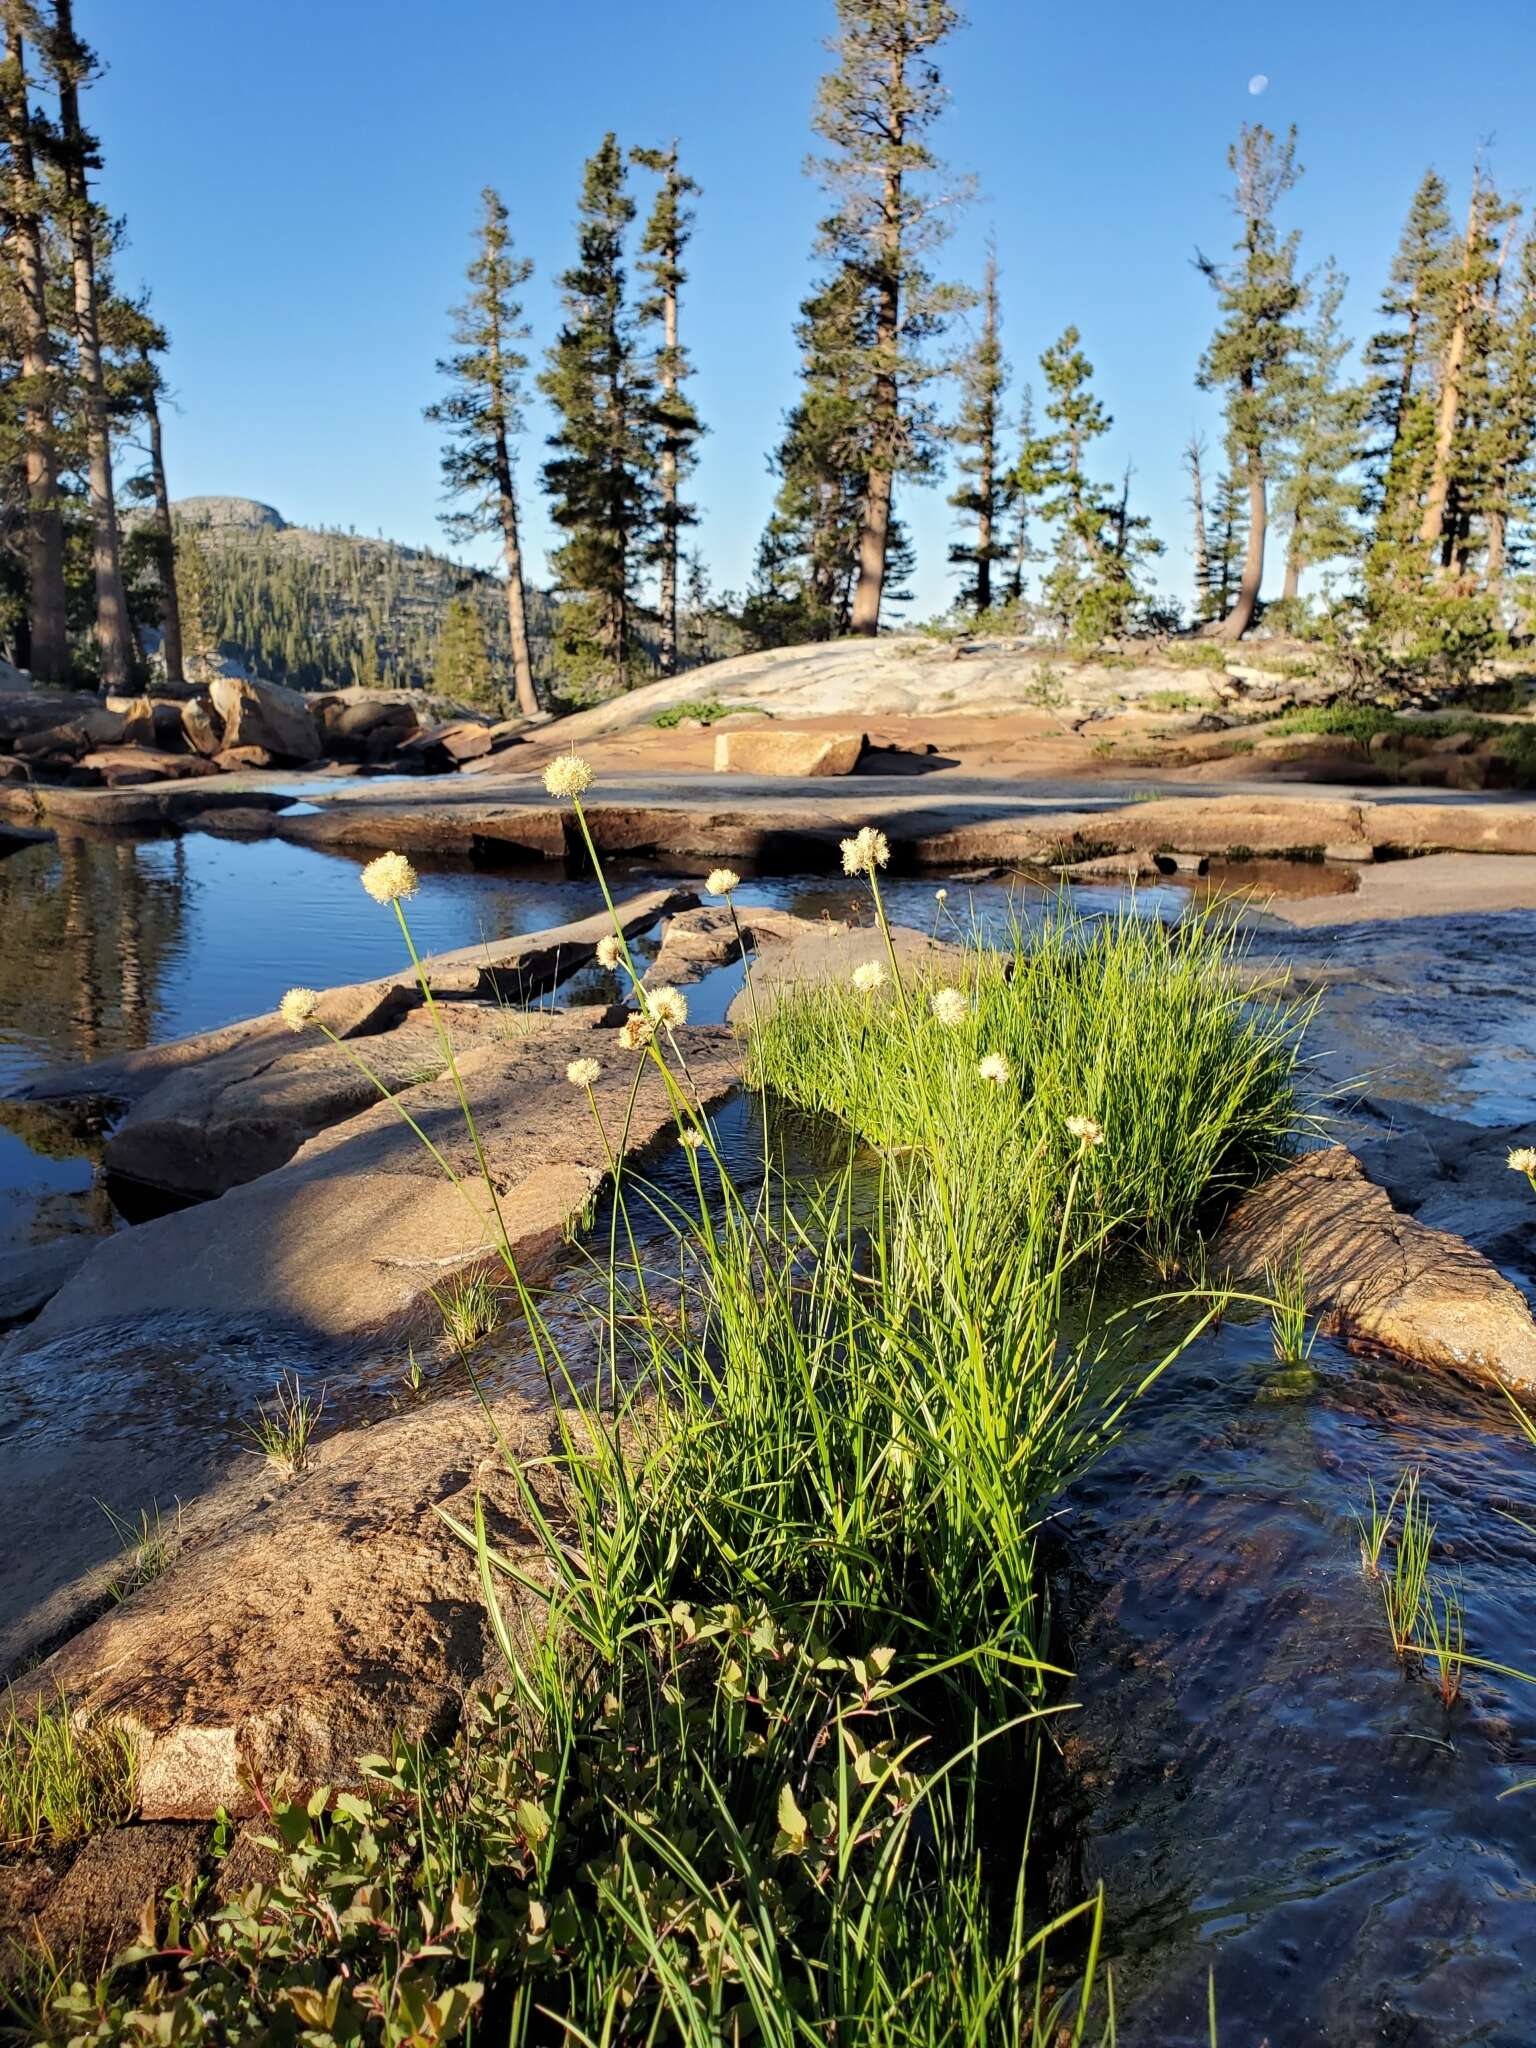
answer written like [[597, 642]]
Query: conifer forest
[[1380, 458]]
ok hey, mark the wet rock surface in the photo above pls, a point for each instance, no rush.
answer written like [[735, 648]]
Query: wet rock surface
[[316, 1623], [1391, 1279]]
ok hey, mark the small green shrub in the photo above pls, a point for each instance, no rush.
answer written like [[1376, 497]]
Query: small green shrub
[[705, 709], [1197, 654]]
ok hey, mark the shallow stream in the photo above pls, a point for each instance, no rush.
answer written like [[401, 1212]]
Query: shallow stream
[[1264, 1792]]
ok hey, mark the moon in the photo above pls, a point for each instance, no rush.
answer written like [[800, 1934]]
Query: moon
[[1258, 83]]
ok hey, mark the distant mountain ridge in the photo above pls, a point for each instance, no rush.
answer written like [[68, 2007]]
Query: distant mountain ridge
[[312, 606]]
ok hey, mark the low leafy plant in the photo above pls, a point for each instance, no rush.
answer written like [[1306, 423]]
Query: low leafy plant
[[59, 1782], [283, 1430], [707, 710]]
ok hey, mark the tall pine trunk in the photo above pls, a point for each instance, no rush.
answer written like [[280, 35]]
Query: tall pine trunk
[[1432, 526], [47, 629], [170, 597], [874, 535], [1240, 618], [517, 601], [666, 652], [113, 632], [1197, 506]]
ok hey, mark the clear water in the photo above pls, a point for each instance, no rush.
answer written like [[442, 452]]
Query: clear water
[[1264, 1791]]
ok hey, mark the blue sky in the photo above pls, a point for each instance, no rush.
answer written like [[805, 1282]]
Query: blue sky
[[300, 181]]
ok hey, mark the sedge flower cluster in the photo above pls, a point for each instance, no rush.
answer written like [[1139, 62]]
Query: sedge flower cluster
[[1087, 1130], [568, 775], [868, 977], [867, 850], [298, 1006], [636, 1033], [582, 1073], [994, 1068], [949, 1006], [390, 877], [1523, 1160], [610, 950], [722, 881], [666, 1005]]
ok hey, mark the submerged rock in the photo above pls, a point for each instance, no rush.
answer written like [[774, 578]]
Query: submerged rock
[[349, 1239], [1420, 1292], [33, 1275]]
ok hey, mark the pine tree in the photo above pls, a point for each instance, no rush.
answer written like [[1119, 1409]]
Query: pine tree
[[599, 473], [199, 629], [1465, 345], [807, 560], [1088, 587], [1194, 457], [1227, 537], [1028, 487], [483, 416], [133, 340], [1400, 357], [677, 427], [37, 391], [71, 64], [461, 667], [983, 495], [875, 110], [1251, 354], [1511, 450], [1318, 494]]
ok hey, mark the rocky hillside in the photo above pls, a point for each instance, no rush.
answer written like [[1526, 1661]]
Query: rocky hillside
[[317, 608], [313, 607]]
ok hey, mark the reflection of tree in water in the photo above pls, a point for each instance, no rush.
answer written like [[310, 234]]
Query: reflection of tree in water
[[90, 929]]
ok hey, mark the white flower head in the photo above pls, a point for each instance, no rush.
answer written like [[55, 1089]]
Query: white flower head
[[949, 1006], [867, 850], [868, 977], [636, 1033], [722, 881], [568, 775], [941, 895], [610, 950], [1087, 1130], [1523, 1159], [297, 1007], [390, 877], [582, 1073], [666, 1005], [691, 1140], [994, 1068]]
